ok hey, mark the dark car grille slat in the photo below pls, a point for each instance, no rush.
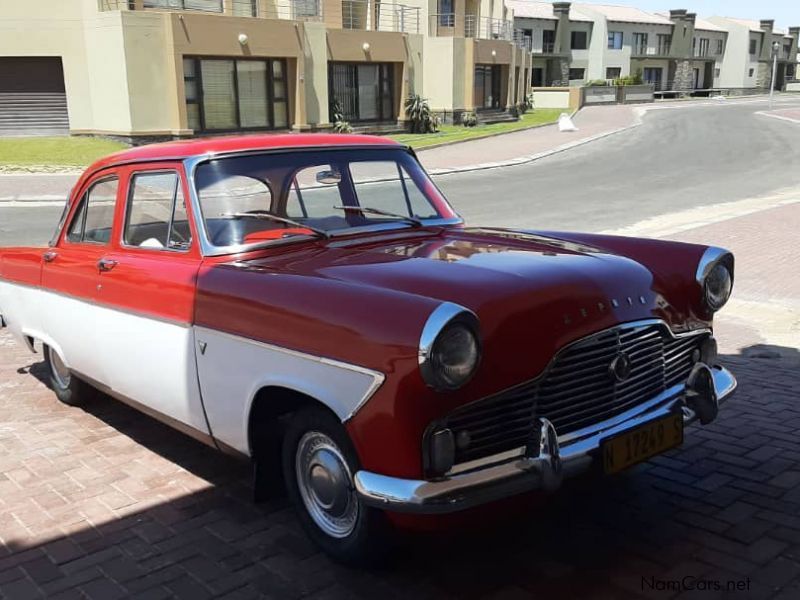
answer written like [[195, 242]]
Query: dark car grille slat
[[578, 389]]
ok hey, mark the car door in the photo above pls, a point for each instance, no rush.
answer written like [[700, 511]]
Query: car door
[[146, 292], [70, 273]]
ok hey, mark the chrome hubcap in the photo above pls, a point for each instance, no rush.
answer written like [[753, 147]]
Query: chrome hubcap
[[60, 371], [326, 484]]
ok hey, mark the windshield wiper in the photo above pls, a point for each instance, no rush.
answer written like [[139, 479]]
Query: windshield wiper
[[377, 211], [265, 216]]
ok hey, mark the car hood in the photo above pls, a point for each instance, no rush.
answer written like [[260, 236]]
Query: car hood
[[521, 282]]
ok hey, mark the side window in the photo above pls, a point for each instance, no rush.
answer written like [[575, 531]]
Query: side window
[[95, 215], [156, 213], [75, 233], [386, 185], [99, 218], [314, 192]]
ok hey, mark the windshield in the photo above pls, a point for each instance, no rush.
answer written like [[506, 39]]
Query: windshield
[[313, 194]]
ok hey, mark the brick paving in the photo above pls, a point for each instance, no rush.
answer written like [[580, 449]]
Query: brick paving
[[106, 503]]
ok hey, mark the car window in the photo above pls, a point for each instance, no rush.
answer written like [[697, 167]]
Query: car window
[[386, 185], [312, 194], [156, 213], [95, 216]]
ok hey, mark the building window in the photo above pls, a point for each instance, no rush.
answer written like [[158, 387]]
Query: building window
[[613, 72], [227, 94], [716, 73], [750, 73], [615, 40], [787, 51], [245, 8], [704, 43], [576, 74], [640, 43], [548, 40], [364, 92], [720, 47], [578, 40], [664, 43], [753, 47]]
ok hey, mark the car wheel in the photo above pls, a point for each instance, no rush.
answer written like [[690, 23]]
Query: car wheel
[[68, 388], [318, 466]]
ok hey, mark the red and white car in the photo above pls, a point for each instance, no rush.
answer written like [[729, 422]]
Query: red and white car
[[312, 302]]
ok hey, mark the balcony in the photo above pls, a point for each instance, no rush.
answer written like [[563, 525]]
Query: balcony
[[469, 26], [293, 10], [377, 16]]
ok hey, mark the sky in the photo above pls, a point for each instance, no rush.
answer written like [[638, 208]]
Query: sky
[[785, 12]]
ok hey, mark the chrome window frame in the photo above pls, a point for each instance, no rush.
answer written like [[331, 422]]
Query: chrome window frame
[[190, 165]]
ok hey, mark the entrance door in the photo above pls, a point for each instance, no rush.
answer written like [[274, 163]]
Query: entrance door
[[32, 97], [696, 79], [487, 86], [537, 78], [364, 92], [653, 75]]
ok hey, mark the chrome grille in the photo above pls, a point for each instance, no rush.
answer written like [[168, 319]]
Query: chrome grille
[[577, 390]]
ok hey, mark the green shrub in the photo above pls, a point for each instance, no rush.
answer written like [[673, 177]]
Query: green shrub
[[419, 115], [469, 119], [529, 101], [597, 83], [340, 124]]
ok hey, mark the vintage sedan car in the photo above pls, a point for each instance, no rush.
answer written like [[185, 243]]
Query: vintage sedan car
[[313, 303]]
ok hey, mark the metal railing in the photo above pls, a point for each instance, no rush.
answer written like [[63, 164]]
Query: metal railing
[[548, 47], [523, 41], [293, 10], [470, 26], [375, 16]]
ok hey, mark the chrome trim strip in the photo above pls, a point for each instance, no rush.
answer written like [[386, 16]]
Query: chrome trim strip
[[516, 475], [377, 377]]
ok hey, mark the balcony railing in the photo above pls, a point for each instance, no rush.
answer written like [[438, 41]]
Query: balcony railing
[[548, 47], [375, 16], [294, 10], [523, 41], [470, 26], [664, 49]]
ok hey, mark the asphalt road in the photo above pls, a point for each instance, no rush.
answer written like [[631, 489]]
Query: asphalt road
[[680, 157]]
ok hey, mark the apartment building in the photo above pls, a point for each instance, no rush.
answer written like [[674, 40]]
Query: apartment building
[[748, 64], [167, 68], [576, 43]]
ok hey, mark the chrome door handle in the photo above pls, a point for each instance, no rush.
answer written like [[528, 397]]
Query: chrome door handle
[[49, 256], [106, 264]]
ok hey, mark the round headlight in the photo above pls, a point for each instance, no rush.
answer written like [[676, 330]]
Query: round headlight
[[454, 356], [717, 287], [449, 347]]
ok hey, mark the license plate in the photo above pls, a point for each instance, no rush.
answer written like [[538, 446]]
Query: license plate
[[637, 445]]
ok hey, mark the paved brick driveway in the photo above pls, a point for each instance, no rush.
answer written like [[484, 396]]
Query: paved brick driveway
[[106, 503]]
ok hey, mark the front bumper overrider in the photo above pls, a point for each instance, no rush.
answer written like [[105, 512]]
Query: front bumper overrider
[[554, 458]]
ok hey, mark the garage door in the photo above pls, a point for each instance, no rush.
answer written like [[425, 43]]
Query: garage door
[[32, 98]]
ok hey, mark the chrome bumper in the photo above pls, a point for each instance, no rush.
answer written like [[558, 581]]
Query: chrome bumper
[[545, 467]]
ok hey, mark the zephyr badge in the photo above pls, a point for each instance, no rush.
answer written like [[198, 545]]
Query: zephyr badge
[[620, 367]]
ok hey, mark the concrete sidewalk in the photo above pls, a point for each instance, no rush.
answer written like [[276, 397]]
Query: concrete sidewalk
[[593, 122]]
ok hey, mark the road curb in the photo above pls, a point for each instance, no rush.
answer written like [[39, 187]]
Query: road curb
[[490, 135]]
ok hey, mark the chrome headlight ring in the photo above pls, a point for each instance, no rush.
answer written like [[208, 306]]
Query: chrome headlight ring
[[449, 347], [715, 277]]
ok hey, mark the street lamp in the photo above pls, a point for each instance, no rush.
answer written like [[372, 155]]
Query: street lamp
[[775, 49]]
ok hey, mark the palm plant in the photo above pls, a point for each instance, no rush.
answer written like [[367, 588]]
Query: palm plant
[[419, 115]]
